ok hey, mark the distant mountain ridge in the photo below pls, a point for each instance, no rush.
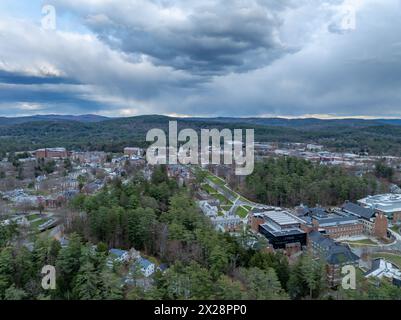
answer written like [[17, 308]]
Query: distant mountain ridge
[[91, 132], [305, 123], [88, 118]]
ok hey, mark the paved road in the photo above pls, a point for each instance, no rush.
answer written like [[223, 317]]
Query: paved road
[[237, 201]]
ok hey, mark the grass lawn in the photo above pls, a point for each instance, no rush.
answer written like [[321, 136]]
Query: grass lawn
[[208, 189], [216, 180], [395, 229], [37, 223], [249, 208], [226, 208], [33, 217], [363, 242], [393, 258], [222, 199], [242, 212]]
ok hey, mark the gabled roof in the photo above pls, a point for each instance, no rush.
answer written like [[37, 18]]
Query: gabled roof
[[302, 210], [334, 253], [144, 263], [317, 237], [357, 210], [381, 267], [318, 211], [117, 252], [339, 254]]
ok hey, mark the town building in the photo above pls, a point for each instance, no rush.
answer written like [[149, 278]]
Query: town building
[[384, 269], [335, 224], [147, 267], [281, 228], [94, 157], [314, 147], [144, 266], [388, 204], [374, 223], [53, 202], [208, 208], [227, 222], [133, 152], [181, 173], [19, 197], [334, 254], [48, 153], [119, 255]]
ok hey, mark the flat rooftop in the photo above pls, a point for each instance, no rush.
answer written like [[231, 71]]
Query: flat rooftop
[[282, 218], [281, 232], [385, 202]]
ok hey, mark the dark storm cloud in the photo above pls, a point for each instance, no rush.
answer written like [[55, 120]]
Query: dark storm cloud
[[203, 37], [22, 93], [20, 78]]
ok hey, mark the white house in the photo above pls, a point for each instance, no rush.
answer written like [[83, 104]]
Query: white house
[[147, 267], [382, 268], [119, 255], [208, 209]]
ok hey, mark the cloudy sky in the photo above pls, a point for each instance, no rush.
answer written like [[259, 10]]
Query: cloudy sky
[[292, 58]]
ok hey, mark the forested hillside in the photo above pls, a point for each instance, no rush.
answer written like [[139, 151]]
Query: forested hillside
[[114, 134], [291, 181]]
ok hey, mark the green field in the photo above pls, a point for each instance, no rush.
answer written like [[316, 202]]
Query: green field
[[242, 212], [226, 207], [223, 200], [33, 217], [37, 223], [216, 180], [393, 258], [362, 242], [208, 189]]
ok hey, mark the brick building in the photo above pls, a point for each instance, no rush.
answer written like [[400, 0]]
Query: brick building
[[48, 153], [374, 223], [334, 224], [380, 226], [255, 220], [133, 152], [335, 256]]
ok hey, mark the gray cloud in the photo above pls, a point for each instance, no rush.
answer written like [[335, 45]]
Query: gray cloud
[[203, 37], [206, 57]]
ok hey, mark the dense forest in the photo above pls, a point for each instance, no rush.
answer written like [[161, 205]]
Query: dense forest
[[112, 135], [290, 181]]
